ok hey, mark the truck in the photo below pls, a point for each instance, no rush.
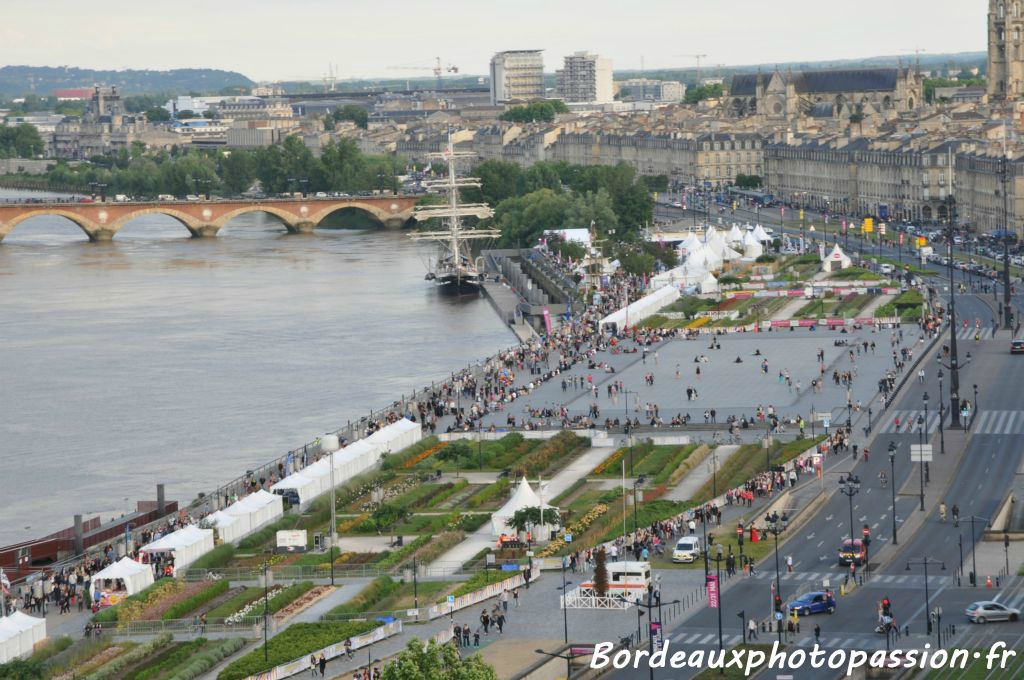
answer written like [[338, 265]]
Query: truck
[[925, 252]]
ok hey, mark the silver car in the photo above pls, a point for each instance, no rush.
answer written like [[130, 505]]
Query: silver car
[[988, 610]]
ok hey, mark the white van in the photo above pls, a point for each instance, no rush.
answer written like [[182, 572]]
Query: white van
[[886, 269], [165, 197], [121, 198], [687, 550], [629, 579]]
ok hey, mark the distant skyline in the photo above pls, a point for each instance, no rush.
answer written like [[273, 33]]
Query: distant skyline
[[274, 40]]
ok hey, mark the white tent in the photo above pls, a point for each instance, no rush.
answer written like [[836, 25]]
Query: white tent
[[524, 497], [256, 510], [760, 234], [396, 436], [728, 254], [689, 244], [752, 248], [355, 459], [307, 488], [684, 275], [643, 308], [135, 576], [187, 545], [709, 284], [228, 527], [19, 633], [836, 260], [735, 235]]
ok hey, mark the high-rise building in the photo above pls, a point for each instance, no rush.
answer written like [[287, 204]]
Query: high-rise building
[[585, 77], [517, 75], [1005, 52]]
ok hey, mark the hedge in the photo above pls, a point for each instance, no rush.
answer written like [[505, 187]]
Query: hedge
[[289, 595], [178, 610], [393, 559], [447, 492], [233, 604], [218, 557], [109, 615], [488, 494], [395, 460], [55, 647], [169, 660], [295, 642], [116, 667], [212, 654], [374, 592]]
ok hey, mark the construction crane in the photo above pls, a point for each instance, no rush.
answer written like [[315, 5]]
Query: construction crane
[[437, 69], [698, 57]]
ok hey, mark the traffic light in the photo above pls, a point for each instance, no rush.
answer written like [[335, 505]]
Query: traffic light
[[866, 531], [778, 603], [886, 607]]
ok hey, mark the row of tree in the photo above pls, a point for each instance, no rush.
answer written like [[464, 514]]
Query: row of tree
[[541, 111], [20, 141]]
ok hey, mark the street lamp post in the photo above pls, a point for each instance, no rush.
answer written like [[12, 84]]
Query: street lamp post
[[718, 574], [942, 416], [974, 562], [892, 480], [850, 487], [974, 406], [924, 562], [266, 609], [920, 442], [927, 475], [954, 368], [774, 529]]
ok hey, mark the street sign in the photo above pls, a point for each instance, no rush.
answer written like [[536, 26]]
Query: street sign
[[778, 616], [568, 538], [824, 415], [655, 633], [881, 228], [920, 453], [451, 600], [827, 423], [712, 581]]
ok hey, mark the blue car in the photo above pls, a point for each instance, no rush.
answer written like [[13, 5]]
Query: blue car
[[813, 603]]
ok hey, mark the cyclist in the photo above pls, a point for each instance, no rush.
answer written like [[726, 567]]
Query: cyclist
[[883, 479], [942, 511], [956, 515]]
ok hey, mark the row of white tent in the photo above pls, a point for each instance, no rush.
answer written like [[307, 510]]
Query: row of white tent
[[19, 634], [247, 515], [356, 458], [186, 545], [705, 255], [637, 311]]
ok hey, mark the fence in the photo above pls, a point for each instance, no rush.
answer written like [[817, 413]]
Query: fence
[[248, 625], [291, 572]]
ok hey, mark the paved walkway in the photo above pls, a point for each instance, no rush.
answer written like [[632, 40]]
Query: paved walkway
[[697, 477], [790, 309], [452, 561], [578, 469], [875, 304]]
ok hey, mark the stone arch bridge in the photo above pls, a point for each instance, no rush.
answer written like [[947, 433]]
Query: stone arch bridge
[[102, 220]]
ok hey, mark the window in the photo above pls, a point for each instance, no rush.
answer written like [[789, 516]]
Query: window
[[1002, 11]]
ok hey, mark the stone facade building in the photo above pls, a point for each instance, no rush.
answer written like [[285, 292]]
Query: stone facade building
[[104, 128], [1005, 49], [517, 75]]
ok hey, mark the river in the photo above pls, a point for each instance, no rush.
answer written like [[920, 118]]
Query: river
[[161, 358]]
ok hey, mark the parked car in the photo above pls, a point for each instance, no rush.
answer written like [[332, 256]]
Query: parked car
[[1017, 347], [989, 610], [817, 602]]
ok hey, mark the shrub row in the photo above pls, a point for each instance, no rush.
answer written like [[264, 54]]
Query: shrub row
[[215, 652], [218, 557], [295, 642], [289, 595], [374, 592], [116, 667], [169, 659], [446, 492], [496, 490], [393, 559], [672, 464], [178, 610], [397, 460], [156, 591], [560, 446], [233, 604]]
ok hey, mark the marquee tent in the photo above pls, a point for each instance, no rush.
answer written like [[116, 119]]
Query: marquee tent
[[836, 260], [642, 308], [709, 284], [524, 497], [355, 459], [186, 545], [19, 634], [728, 254], [735, 235], [307, 488], [396, 436], [684, 275], [228, 527], [135, 576], [760, 234], [256, 510], [690, 243]]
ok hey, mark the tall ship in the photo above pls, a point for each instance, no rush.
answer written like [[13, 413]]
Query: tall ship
[[454, 266]]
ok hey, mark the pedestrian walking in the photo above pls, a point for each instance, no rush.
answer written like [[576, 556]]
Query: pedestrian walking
[[485, 621], [500, 622], [817, 633], [752, 629], [504, 600], [789, 563], [312, 665], [515, 597], [323, 666]]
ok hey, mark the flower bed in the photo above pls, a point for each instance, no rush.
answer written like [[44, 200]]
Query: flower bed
[[254, 608], [556, 449], [189, 600], [298, 604], [697, 323], [609, 461], [351, 523], [133, 610], [576, 528], [422, 456]]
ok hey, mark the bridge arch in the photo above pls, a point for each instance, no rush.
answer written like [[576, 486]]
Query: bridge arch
[[187, 221], [89, 227], [290, 220], [385, 216]]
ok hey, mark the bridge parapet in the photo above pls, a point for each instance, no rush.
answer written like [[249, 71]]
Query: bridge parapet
[[102, 220]]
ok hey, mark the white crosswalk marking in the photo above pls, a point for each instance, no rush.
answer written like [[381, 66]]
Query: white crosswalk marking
[[708, 638], [998, 422], [734, 640], [910, 417], [969, 333], [693, 638]]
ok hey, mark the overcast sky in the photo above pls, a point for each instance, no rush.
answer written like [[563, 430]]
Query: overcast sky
[[287, 39]]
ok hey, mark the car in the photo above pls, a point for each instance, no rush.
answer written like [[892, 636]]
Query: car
[[687, 550], [677, 204], [853, 552], [321, 194], [989, 610], [1017, 347], [816, 602]]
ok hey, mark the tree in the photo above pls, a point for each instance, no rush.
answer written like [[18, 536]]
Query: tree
[[455, 451], [524, 517], [544, 111], [353, 112], [523, 219], [592, 207], [237, 171], [748, 181], [655, 182], [20, 141], [157, 114], [432, 661], [498, 180], [703, 92], [186, 114], [601, 573], [387, 515]]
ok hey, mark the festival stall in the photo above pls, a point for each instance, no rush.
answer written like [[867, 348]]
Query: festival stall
[[355, 459], [524, 497], [229, 528], [257, 510], [642, 308], [303, 487], [396, 436], [126, 577], [19, 633], [184, 546], [836, 260]]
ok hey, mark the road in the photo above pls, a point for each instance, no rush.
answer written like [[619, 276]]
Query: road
[[975, 473]]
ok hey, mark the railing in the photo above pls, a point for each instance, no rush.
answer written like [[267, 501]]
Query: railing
[[248, 625], [291, 572]]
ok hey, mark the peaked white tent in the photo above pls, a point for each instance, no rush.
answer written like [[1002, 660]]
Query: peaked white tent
[[228, 527], [524, 497], [689, 244], [735, 235], [760, 234], [643, 308], [256, 510], [836, 260], [186, 545], [135, 576], [19, 634], [728, 254], [709, 284]]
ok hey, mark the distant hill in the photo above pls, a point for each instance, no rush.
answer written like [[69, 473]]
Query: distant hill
[[16, 81]]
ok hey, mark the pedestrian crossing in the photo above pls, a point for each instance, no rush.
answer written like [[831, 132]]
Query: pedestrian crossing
[[969, 333], [835, 578], [688, 638], [910, 417], [998, 422]]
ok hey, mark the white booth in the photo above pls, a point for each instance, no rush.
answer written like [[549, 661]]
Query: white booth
[[256, 510], [185, 546], [229, 528], [133, 576], [19, 634], [397, 436]]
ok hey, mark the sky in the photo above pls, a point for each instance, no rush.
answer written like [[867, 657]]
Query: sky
[[298, 39]]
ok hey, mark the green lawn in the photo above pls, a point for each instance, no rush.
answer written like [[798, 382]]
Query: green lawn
[[749, 461]]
